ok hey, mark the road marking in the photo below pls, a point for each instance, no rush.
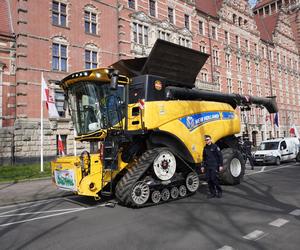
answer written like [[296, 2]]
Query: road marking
[[29, 202], [278, 223], [269, 170], [51, 215], [262, 169], [41, 212], [226, 248], [255, 235], [295, 212], [22, 208]]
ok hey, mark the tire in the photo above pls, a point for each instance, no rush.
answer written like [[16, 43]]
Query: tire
[[125, 187], [277, 161], [234, 167], [298, 157]]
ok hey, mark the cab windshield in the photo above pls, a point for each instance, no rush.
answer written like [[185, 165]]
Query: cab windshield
[[268, 146], [95, 106]]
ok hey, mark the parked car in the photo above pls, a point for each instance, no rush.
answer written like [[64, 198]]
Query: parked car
[[277, 150]]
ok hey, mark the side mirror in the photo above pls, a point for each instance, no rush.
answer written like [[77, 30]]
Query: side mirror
[[114, 80]]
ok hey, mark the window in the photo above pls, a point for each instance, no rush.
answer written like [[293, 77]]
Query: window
[[247, 45], [256, 49], [171, 15], [234, 18], [94, 147], [263, 51], [271, 57], [240, 87], [239, 64], [59, 57], [204, 76], [131, 4], [278, 58], [90, 58], [227, 37], [64, 142], [187, 21], [240, 21], [59, 102], [201, 28], [256, 70], [140, 34], [228, 60], [59, 13], [164, 35], [203, 48], [184, 42], [90, 22], [248, 67], [229, 85], [215, 57], [237, 41], [152, 8], [214, 32]]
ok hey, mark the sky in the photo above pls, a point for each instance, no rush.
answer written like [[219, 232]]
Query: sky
[[252, 2]]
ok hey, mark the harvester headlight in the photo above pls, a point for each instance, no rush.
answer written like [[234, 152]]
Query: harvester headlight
[[98, 75], [85, 73]]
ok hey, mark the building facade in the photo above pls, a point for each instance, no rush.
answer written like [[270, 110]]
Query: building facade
[[252, 53]]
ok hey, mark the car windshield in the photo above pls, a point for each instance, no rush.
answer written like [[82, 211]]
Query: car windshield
[[95, 106], [268, 146]]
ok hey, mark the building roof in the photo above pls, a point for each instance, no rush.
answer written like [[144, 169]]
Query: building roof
[[5, 20], [266, 26], [262, 3], [210, 7]]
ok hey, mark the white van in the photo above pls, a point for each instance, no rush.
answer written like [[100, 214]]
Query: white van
[[277, 150]]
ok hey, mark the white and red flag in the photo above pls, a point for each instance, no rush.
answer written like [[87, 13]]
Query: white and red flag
[[141, 104], [48, 97], [60, 145]]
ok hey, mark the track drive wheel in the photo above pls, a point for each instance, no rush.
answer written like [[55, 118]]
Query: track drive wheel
[[234, 166], [164, 164]]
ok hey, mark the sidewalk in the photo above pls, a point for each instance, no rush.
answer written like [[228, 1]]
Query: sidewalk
[[32, 190]]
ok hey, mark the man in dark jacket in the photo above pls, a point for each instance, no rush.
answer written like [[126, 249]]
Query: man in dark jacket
[[212, 164]]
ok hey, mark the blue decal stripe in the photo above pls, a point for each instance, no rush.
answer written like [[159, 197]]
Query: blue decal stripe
[[196, 120]]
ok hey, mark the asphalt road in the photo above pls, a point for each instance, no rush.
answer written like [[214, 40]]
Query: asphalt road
[[261, 213]]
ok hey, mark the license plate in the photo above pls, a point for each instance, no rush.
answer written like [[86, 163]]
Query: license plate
[[65, 179]]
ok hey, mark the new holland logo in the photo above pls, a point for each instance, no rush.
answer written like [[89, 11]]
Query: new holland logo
[[193, 121]]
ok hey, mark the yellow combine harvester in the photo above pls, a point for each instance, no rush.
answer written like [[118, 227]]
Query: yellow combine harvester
[[149, 122]]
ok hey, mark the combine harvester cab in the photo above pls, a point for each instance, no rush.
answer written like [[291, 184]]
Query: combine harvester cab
[[150, 122]]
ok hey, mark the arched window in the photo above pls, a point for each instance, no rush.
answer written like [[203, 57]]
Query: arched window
[[91, 56], [240, 21], [90, 19], [234, 18], [60, 54]]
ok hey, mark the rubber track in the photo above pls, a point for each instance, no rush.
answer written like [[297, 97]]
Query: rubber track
[[133, 174]]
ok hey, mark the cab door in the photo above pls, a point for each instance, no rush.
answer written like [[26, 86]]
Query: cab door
[[284, 151]]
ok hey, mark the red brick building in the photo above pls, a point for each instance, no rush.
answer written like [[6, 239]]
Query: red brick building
[[250, 54]]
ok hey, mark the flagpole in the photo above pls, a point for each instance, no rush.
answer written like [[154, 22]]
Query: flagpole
[[42, 127], [265, 116], [74, 142]]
